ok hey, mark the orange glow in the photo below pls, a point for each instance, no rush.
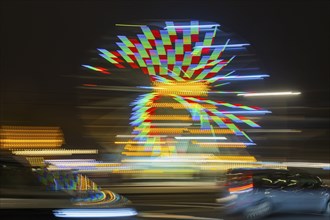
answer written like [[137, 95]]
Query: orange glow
[[30, 146], [30, 137], [30, 128], [44, 152], [29, 141], [241, 188]]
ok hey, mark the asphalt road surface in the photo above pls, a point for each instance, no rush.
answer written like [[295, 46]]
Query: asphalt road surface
[[190, 206]]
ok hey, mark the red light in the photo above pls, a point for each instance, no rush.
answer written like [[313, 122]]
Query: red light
[[90, 85]]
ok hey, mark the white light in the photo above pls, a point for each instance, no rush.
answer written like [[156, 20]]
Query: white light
[[193, 26], [224, 45], [269, 94], [167, 160], [225, 143], [46, 152], [133, 136], [171, 124], [87, 213], [306, 164], [272, 130], [70, 160], [246, 112], [200, 138]]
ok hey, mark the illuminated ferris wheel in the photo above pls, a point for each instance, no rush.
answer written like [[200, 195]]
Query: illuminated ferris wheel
[[188, 64]]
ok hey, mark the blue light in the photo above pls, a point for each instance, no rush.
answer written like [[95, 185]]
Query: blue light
[[144, 87], [92, 213], [87, 66]]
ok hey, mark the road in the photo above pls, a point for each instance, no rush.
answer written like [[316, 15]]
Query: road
[[190, 206], [194, 206]]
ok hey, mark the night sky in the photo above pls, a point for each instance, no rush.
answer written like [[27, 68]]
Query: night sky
[[43, 43]]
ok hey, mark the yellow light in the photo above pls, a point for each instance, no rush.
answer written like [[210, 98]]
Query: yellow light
[[108, 165], [192, 88], [29, 141], [226, 166], [216, 131], [36, 161], [234, 158], [87, 164], [170, 117], [180, 106], [160, 131], [30, 137], [28, 127], [34, 145], [50, 152], [139, 154], [103, 200], [139, 142], [167, 130], [223, 146], [142, 148]]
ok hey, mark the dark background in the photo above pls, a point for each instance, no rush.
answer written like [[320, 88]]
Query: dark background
[[45, 42]]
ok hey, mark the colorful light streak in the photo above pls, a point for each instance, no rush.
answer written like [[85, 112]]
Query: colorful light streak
[[99, 69], [241, 189], [107, 198]]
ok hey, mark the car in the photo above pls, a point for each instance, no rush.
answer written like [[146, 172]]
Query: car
[[256, 193], [25, 191]]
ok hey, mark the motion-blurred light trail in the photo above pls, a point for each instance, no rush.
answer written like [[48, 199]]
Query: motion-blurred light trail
[[43, 152], [272, 130], [224, 45], [88, 213], [192, 26], [270, 94], [200, 138], [172, 216]]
